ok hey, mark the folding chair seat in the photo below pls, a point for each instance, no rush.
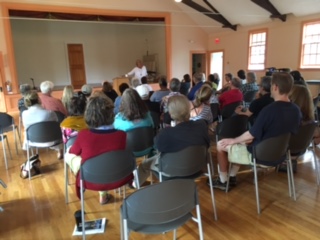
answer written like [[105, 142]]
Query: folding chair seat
[[160, 208]]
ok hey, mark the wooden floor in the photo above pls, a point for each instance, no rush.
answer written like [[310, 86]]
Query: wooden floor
[[36, 209]]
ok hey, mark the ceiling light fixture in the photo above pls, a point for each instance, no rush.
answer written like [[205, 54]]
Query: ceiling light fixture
[[178, 0]]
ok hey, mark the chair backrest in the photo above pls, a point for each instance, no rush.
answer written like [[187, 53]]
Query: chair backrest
[[184, 163], [153, 106], [214, 110], [155, 118], [140, 139], [6, 120], [108, 167], [70, 141], [43, 132], [228, 110], [300, 142], [272, 151], [232, 127], [60, 116], [249, 96], [161, 203]]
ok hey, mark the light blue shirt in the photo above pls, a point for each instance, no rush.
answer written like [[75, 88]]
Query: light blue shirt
[[121, 123]]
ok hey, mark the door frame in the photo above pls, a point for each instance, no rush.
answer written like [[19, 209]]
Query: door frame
[[68, 63], [192, 52], [223, 63]]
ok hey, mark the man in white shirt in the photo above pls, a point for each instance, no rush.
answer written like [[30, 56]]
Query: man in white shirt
[[139, 71]]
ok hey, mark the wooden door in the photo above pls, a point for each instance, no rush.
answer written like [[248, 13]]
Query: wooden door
[[76, 65]]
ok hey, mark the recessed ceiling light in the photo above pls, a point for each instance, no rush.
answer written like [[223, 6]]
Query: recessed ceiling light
[[178, 0]]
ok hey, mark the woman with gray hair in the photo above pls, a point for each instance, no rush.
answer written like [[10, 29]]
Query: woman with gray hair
[[49, 102]]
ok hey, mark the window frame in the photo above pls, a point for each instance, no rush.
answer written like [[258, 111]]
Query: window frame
[[251, 33], [302, 55]]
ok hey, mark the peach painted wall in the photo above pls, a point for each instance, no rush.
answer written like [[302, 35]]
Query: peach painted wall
[[283, 46], [180, 35]]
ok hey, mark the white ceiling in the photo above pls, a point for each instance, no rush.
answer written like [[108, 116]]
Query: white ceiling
[[246, 13]]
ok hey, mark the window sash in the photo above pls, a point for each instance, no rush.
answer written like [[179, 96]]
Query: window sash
[[257, 51], [310, 53]]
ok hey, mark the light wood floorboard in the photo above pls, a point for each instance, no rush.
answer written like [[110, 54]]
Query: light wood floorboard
[[36, 209]]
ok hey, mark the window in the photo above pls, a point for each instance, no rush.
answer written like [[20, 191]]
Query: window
[[310, 54], [257, 50]]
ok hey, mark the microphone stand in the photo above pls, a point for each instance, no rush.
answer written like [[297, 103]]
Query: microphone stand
[[34, 88]]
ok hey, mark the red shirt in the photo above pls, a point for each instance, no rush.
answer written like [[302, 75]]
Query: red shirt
[[93, 142], [53, 104], [231, 96]]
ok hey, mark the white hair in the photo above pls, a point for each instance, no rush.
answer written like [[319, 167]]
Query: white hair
[[46, 87]]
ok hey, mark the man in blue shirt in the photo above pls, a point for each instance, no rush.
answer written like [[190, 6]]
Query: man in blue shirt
[[277, 118], [198, 81]]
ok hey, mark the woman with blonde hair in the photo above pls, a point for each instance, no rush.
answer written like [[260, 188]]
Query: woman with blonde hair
[[200, 107], [68, 93]]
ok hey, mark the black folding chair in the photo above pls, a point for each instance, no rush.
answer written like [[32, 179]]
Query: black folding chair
[[160, 208], [43, 132], [190, 162], [106, 168]]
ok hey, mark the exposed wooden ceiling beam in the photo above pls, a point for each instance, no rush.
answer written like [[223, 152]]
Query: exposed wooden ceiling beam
[[267, 5], [214, 14]]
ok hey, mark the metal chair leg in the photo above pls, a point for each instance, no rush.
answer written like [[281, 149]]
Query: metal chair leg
[[4, 151], [256, 185]]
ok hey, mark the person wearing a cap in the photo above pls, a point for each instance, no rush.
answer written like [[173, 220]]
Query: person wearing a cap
[[86, 90], [49, 102], [139, 71], [24, 90]]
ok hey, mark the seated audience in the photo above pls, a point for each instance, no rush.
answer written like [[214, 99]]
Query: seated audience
[[242, 76], [258, 104], [198, 79], [144, 82], [133, 112], [86, 90], [232, 95], [24, 90], [213, 98], [228, 77], [186, 133], [35, 114], [174, 86], [185, 84], [164, 91], [214, 79], [277, 118], [200, 107], [108, 90], [100, 138], [117, 102], [250, 86], [143, 91], [297, 78], [48, 102], [135, 83], [75, 122], [67, 94]]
